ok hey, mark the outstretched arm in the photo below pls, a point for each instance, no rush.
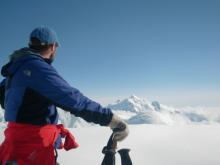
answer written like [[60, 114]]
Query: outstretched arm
[[45, 80]]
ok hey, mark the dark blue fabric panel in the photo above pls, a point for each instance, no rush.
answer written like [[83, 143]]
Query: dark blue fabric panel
[[2, 93]]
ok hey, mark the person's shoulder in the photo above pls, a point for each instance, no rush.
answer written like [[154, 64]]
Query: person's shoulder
[[36, 61], [38, 66]]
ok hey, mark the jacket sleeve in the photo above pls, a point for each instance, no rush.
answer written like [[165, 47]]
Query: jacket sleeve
[[46, 81], [2, 93]]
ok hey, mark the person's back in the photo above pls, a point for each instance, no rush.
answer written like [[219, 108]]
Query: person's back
[[24, 102], [30, 93]]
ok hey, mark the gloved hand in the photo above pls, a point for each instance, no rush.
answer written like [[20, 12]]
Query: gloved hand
[[119, 127]]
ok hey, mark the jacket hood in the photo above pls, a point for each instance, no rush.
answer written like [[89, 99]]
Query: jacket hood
[[20, 53], [17, 59]]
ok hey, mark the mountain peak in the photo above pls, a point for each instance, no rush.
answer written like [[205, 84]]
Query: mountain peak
[[132, 104], [134, 97]]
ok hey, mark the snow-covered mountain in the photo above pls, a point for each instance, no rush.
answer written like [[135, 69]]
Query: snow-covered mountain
[[70, 120], [141, 111], [145, 112]]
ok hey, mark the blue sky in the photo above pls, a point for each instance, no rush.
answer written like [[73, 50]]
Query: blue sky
[[160, 50]]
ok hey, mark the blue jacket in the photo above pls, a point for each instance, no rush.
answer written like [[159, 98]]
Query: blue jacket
[[32, 89]]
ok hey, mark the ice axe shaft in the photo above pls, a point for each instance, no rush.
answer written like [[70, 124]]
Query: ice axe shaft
[[109, 152], [125, 157]]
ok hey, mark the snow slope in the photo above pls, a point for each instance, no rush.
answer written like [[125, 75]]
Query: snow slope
[[150, 144]]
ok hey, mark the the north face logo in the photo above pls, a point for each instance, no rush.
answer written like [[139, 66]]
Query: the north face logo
[[27, 72]]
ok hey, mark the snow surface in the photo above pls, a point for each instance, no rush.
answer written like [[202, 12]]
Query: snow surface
[[150, 144]]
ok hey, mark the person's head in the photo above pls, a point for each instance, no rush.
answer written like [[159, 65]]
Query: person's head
[[43, 40]]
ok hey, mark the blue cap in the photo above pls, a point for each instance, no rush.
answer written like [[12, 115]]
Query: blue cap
[[45, 35]]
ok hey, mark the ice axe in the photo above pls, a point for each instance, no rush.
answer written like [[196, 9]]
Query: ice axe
[[110, 150]]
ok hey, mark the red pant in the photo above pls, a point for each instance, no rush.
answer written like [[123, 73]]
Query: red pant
[[33, 145]]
